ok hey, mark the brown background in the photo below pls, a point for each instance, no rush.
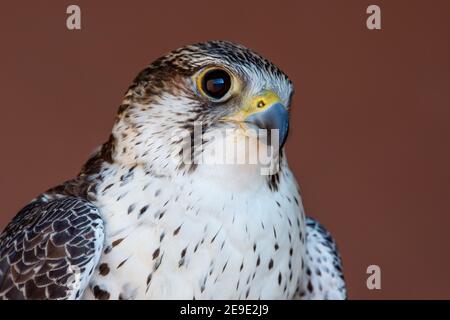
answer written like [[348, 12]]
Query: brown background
[[370, 131]]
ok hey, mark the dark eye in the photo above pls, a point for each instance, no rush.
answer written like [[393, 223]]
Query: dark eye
[[216, 83]]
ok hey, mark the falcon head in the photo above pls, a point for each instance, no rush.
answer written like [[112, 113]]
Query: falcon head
[[216, 86]]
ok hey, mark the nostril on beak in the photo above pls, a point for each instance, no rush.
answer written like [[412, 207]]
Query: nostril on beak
[[261, 104]]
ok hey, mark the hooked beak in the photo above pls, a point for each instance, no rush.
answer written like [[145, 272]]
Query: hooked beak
[[266, 111]]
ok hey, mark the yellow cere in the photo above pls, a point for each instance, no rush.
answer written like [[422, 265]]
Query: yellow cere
[[255, 104]]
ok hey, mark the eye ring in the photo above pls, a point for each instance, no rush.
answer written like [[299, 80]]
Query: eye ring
[[215, 83]]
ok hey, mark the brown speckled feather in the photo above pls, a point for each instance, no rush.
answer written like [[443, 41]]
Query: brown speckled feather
[[49, 250]]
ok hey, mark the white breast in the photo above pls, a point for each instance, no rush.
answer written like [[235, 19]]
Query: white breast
[[205, 235]]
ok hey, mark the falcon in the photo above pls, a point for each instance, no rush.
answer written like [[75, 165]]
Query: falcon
[[145, 219]]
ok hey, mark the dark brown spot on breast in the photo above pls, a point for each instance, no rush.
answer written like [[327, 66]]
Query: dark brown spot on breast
[[143, 209], [155, 254], [117, 242], [103, 269], [310, 287], [131, 208], [122, 263], [176, 230], [107, 187], [100, 294]]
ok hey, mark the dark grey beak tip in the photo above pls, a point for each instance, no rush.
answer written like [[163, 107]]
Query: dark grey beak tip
[[274, 117]]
